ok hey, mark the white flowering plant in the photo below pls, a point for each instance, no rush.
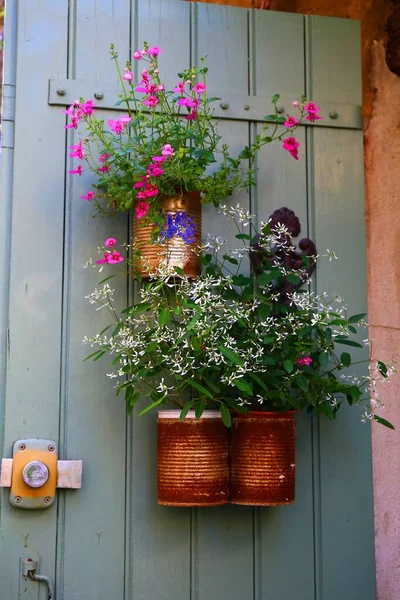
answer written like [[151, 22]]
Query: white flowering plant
[[240, 338]]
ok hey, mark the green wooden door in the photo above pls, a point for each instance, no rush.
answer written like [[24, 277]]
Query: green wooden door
[[110, 540]]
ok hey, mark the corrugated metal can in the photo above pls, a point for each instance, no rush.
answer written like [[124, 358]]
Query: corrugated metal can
[[175, 252], [262, 459], [192, 459]]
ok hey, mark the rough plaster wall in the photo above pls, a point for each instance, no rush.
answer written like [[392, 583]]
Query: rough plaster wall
[[382, 151]]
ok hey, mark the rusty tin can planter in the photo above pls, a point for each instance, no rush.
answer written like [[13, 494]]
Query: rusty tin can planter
[[175, 252], [192, 459], [262, 459]]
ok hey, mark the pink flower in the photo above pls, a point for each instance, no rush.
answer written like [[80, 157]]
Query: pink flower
[[180, 88], [151, 101], [154, 51], [199, 88], [118, 125], [87, 107], [183, 101], [312, 116], [103, 260], [167, 150], [143, 52], [128, 76], [290, 122], [142, 90], [291, 145], [137, 55], [73, 124], [159, 159], [154, 170], [141, 209], [149, 192], [77, 151], [141, 183], [295, 103], [77, 171], [110, 242], [104, 157], [311, 107], [161, 88], [115, 258], [89, 196], [306, 360], [104, 169], [191, 116]]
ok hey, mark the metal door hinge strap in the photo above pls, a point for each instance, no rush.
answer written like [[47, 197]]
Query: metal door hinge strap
[[29, 568]]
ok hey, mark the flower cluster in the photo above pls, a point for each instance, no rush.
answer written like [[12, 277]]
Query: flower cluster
[[110, 257], [166, 140], [178, 225], [239, 342]]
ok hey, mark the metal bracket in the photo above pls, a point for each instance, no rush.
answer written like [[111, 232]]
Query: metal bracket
[[34, 473]]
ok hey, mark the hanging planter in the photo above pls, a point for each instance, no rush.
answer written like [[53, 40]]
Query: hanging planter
[[180, 236], [192, 459], [262, 459]]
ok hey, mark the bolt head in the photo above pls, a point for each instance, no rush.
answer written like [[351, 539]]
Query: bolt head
[[22, 447], [18, 499], [333, 114], [246, 107], [51, 448], [47, 499], [224, 105], [61, 91], [281, 110], [98, 95]]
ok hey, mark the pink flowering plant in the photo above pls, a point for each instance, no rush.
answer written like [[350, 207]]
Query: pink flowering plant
[[166, 140], [240, 338]]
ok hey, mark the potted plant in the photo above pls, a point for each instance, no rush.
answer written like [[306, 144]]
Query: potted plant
[[155, 159], [255, 347]]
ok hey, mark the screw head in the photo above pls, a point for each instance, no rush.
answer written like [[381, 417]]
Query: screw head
[[98, 95], [333, 114], [18, 499], [22, 447], [224, 105], [61, 91], [281, 109], [246, 107], [47, 499], [51, 448]]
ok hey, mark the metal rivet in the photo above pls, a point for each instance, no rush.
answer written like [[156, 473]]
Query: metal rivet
[[246, 107], [61, 91], [224, 105], [18, 499], [51, 448], [21, 447], [333, 114], [281, 109], [47, 499], [98, 95]]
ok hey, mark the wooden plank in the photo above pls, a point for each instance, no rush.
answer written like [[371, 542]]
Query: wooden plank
[[342, 451], [284, 535], [159, 544], [6, 472], [69, 474], [93, 419], [35, 263]]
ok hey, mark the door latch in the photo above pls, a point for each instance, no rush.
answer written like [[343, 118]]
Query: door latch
[[35, 472], [30, 567]]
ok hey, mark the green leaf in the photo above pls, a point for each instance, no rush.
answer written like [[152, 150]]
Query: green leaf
[[243, 236], [302, 383], [193, 321], [243, 386], [152, 405], [186, 409], [383, 422], [382, 368], [345, 359], [357, 318], [328, 335], [352, 329], [265, 278], [93, 354], [339, 322], [270, 117], [240, 280], [180, 271], [213, 99], [163, 316], [106, 279], [102, 353], [225, 415], [348, 343], [196, 344], [259, 381], [231, 356], [199, 388], [275, 98], [295, 402], [288, 365], [323, 359], [294, 279], [199, 408]]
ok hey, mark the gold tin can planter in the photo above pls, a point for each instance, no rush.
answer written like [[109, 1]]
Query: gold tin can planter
[[175, 252], [262, 459], [192, 463]]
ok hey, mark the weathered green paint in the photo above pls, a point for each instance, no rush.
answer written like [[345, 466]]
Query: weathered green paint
[[110, 539]]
